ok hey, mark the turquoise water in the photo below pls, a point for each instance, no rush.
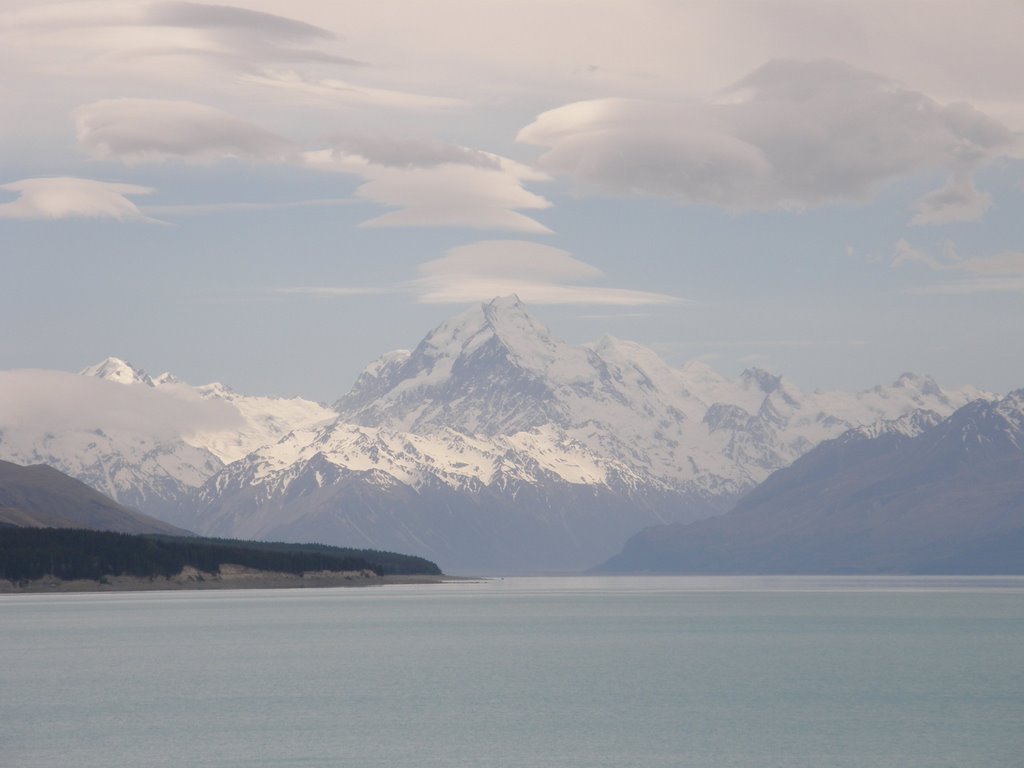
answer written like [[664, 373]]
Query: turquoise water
[[716, 673]]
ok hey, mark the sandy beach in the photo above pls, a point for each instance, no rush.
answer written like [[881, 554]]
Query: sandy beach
[[229, 577]]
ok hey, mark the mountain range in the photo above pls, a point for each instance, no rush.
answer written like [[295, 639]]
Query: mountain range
[[920, 494], [491, 446]]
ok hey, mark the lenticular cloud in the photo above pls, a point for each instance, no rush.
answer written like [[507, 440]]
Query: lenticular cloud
[[792, 134]]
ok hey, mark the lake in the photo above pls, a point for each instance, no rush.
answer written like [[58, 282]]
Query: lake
[[548, 672]]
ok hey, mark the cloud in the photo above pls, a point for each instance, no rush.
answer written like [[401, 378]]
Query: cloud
[[335, 292], [959, 200], [203, 16], [791, 134], [240, 36], [975, 285], [1002, 272], [154, 130], [906, 254], [443, 193], [56, 401], [64, 197], [537, 273], [227, 36], [412, 153], [331, 91], [202, 209], [430, 183]]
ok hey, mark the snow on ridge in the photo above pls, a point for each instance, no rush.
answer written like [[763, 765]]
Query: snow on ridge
[[908, 425], [453, 458], [117, 370], [261, 420], [491, 395], [493, 370]]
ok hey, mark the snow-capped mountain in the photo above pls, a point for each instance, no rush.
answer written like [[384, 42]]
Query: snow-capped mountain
[[119, 371], [493, 444], [494, 370], [262, 420], [148, 442], [529, 501], [154, 473]]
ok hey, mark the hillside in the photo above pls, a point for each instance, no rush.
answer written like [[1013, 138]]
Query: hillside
[[944, 497], [39, 496]]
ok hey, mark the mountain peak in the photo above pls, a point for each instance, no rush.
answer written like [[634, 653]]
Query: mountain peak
[[117, 370], [503, 319], [512, 301], [924, 384], [167, 378], [765, 381]]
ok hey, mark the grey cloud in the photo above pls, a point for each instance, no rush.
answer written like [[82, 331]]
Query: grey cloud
[[246, 36], [1002, 272], [790, 134], [153, 130], [958, 200], [202, 16]]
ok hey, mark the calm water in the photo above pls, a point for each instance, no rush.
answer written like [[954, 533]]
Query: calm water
[[717, 673]]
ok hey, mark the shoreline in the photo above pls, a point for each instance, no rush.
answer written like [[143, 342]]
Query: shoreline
[[230, 577]]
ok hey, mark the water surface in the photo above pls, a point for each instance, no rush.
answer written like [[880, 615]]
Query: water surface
[[711, 672]]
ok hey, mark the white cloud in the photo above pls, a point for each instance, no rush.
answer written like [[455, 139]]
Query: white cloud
[[511, 259], [1002, 272], [154, 130], [538, 274], [905, 254], [56, 401], [790, 134], [67, 198], [430, 183], [442, 194], [411, 153]]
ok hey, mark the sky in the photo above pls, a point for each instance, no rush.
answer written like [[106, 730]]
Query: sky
[[272, 194]]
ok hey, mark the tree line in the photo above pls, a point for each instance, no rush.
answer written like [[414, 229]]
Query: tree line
[[32, 553]]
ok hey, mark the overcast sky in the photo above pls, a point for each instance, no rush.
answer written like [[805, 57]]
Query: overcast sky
[[271, 194]]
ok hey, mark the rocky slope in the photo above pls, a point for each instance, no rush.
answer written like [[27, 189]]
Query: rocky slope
[[41, 497]]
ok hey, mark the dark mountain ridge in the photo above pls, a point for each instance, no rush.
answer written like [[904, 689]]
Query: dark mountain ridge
[[949, 500], [40, 496]]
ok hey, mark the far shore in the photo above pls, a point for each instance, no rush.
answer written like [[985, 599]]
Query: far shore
[[229, 577]]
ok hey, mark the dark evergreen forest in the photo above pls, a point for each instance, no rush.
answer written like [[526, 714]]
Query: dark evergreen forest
[[31, 553]]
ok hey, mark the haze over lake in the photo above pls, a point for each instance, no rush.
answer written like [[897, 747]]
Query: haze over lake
[[710, 672]]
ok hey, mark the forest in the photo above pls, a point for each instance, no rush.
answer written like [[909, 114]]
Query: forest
[[27, 554]]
